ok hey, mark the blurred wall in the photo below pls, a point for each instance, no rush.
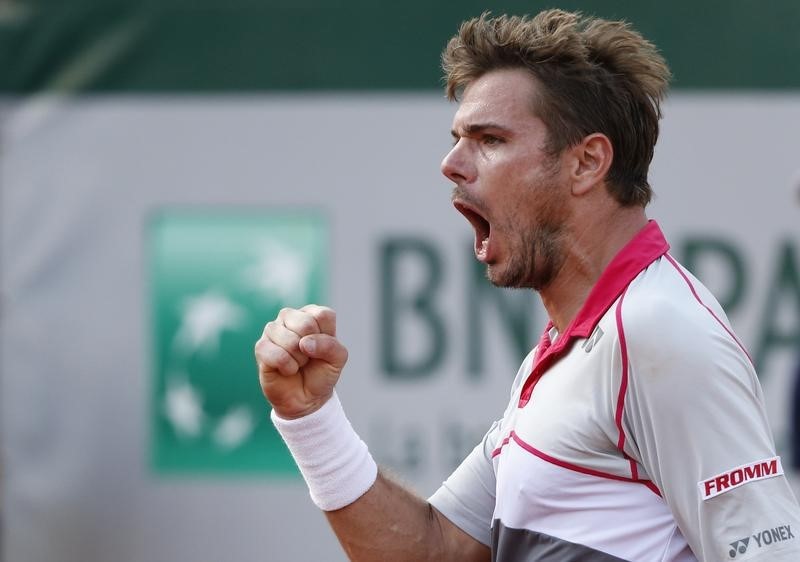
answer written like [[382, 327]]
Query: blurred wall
[[173, 173]]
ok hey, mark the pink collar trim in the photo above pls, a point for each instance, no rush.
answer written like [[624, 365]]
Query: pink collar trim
[[647, 246]]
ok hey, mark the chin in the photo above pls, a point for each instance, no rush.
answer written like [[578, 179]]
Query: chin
[[502, 278], [516, 279]]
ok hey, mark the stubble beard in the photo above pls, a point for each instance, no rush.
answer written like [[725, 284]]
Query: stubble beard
[[537, 258], [538, 251]]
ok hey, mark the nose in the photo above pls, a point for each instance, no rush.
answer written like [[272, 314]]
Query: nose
[[455, 165]]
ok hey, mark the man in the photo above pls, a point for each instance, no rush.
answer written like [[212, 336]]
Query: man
[[636, 428]]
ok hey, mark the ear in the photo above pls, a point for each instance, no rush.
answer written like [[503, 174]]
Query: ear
[[590, 162]]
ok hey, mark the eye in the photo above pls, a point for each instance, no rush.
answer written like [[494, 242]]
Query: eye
[[491, 140]]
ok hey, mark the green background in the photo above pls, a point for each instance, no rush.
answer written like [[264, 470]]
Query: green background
[[249, 45], [194, 252]]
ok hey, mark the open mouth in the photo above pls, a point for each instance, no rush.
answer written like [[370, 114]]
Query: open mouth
[[480, 224]]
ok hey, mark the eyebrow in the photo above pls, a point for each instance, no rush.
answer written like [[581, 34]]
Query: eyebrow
[[477, 128]]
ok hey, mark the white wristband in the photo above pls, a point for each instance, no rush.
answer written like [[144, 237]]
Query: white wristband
[[331, 456]]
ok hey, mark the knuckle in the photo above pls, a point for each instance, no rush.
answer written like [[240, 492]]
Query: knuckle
[[280, 358], [291, 339], [302, 324], [320, 312], [283, 362], [276, 332], [326, 313], [270, 355], [308, 325], [262, 348]]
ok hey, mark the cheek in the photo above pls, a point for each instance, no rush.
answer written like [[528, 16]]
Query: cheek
[[542, 200], [519, 193]]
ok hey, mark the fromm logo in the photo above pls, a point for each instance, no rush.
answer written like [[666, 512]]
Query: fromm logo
[[739, 476]]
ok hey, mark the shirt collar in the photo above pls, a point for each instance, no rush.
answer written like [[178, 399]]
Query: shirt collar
[[647, 246]]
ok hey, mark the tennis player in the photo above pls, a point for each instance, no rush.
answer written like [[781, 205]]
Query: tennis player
[[636, 428]]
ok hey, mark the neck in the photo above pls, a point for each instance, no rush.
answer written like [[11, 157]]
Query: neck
[[592, 244]]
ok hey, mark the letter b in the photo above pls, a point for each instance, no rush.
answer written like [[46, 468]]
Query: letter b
[[410, 311]]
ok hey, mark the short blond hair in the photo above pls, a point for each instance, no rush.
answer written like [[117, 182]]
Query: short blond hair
[[595, 76]]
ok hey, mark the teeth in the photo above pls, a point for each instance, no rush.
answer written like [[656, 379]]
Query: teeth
[[484, 245]]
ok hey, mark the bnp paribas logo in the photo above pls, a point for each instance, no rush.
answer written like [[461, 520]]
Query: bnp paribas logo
[[215, 279]]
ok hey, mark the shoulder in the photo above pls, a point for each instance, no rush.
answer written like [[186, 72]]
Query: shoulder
[[668, 320], [666, 304]]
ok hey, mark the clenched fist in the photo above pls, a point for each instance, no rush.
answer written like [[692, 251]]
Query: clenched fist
[[299, 360]]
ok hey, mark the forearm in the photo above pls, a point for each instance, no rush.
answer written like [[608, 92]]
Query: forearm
[[374, 517], [299, 362], [390, 523]]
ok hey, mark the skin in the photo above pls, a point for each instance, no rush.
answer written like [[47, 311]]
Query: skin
[[553, 224], [502, 173], [549, 224]]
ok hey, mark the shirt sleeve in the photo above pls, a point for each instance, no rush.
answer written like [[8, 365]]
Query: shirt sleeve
[[467, 497], [695, 420]]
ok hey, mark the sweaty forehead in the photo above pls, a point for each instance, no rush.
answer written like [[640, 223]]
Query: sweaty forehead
[[504, 97]]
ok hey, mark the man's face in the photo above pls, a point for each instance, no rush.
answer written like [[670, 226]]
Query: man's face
[[508, 187]]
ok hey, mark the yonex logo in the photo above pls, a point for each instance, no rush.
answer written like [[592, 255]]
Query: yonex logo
[[761, 539], [721, 483], [739, 547], [592, 340]]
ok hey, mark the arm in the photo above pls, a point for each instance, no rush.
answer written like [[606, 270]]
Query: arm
[[391, 523], [695, 419], [300, 360]]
